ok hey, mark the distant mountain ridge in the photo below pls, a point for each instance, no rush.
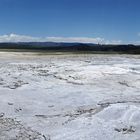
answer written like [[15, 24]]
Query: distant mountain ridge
[[74, 47]]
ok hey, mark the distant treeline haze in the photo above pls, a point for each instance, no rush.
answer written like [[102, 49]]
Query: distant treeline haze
[[73, 47]]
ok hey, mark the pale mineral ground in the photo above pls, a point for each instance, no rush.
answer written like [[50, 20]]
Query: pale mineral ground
[[69, 96]]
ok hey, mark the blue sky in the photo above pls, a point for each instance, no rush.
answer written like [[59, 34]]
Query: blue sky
[[105, 20]]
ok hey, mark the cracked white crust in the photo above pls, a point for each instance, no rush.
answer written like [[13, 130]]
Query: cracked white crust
[[70, 97]]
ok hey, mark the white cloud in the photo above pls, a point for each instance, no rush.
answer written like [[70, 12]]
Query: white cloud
[[113, 42], [75, 39], [136, 43], [24, 38], [17, 38]]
